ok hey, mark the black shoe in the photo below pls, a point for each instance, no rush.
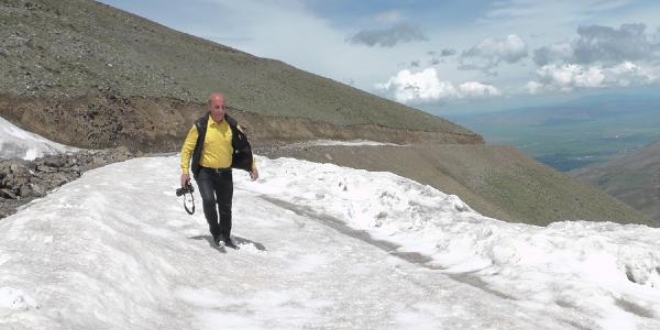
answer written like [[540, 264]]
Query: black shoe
[[230, 244], [216, 240]]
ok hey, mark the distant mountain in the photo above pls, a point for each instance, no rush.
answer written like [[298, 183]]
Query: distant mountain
[[86, 74], [634, 179]]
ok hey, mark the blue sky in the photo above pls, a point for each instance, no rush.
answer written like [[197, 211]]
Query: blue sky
[[441, 56]]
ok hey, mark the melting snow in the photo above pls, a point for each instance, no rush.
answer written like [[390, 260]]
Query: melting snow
[[322, 247]]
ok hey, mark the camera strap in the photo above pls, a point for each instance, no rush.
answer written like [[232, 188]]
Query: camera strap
[[190, 210]]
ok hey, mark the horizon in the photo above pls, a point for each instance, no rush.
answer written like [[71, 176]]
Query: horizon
[[443, 58]]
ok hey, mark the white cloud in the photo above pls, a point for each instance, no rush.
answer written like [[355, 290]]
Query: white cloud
[[629, 74], [490, 52], [476, 89], [533, 87], [425, 86], [567, 77]]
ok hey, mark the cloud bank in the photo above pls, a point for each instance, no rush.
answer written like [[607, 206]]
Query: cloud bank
[[602, 44], [567, 77], [600, 57], [425, 87]]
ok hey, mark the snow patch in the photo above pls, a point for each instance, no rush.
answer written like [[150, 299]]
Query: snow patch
[[18, 143]]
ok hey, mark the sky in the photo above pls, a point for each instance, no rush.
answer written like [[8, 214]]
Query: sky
[[321, 246], [440, 56]]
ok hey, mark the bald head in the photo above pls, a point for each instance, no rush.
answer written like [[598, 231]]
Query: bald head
[[216, 105]]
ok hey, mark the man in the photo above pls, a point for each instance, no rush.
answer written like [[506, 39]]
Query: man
[[217, 144]]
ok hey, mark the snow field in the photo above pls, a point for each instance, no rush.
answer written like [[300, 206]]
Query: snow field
[[599, 268], [115, 250]]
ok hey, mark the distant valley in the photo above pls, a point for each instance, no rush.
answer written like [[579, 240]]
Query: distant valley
[[634, 179], [572, 135]]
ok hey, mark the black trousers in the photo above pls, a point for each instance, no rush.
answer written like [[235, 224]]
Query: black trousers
[[217, 190]]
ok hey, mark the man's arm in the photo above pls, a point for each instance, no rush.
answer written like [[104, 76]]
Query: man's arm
[[186, 153]]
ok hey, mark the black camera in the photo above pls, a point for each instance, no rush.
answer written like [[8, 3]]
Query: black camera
[[188, 189]]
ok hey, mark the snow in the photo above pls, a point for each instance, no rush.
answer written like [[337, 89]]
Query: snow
[[322, 247], [17, 143]]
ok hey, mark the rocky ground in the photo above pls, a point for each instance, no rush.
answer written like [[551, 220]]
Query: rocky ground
[[22, 181]]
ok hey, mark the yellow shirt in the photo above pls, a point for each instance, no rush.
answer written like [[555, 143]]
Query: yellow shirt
[[217, 151]]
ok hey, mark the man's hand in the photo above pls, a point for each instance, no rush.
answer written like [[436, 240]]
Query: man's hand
[[254, 174], [185, 178]]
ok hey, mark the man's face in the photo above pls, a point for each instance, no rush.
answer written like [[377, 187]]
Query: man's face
[[217, 107]]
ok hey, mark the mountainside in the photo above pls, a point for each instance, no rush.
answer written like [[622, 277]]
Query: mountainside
[[85, 74], [634, 179]]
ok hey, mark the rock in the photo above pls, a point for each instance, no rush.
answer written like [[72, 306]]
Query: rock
[[14, 167], [71, 161], [45, 169], [98, 160], [59, 179], [25, 191], [29, 179], [5, 169], [55, 161], [6, 193], [19, 181], [38, 191]]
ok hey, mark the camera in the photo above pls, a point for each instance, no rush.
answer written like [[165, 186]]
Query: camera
[[188, 189]]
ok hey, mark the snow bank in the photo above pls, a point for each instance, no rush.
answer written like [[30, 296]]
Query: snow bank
[[115, 250], [17, 143], [585, 265]]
